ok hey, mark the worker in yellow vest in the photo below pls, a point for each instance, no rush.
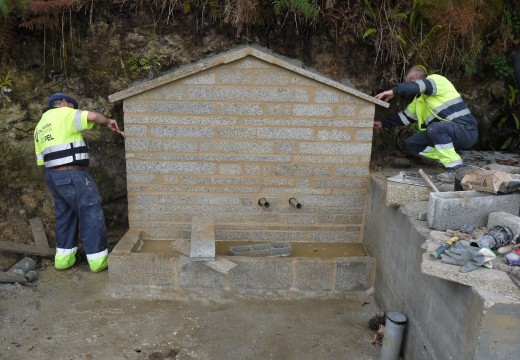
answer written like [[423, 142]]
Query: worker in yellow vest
[[61, 149], [443, 122]]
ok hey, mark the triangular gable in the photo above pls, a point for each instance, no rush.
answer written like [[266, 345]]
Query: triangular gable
[[234, 55]]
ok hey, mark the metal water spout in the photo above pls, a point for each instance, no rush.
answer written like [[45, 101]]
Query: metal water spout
[[263, 203], [295, 203]]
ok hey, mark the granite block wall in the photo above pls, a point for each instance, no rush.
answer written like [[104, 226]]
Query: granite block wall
[[214, 142]]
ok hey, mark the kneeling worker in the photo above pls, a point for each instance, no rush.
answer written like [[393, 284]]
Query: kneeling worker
[[443, 120], [61, 148]]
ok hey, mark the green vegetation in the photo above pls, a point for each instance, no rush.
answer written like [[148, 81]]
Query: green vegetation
[[500, 66], [148, 65], [509, 121], [458, 38]]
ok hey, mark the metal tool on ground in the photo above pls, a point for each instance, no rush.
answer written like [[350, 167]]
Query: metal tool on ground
[[441, 249], [428, 181], [411, 178], [122, 133]]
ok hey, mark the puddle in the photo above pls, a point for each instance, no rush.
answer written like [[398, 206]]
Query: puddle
[[299, 249]]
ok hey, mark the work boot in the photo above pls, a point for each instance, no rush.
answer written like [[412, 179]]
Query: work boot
[[449, 175]]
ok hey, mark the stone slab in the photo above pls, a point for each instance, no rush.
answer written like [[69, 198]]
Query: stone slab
[[261, 274], [221, 264], [202, 239], [314, 275], [451, 210], [355, 274], [400, 194]]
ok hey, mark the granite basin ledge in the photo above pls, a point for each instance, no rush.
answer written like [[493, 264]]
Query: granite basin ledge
[[175, 276]]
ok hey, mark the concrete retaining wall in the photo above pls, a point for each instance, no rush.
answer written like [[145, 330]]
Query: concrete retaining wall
[[446, 320]]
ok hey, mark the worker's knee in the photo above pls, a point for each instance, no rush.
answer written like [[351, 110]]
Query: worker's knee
[[414, 146]]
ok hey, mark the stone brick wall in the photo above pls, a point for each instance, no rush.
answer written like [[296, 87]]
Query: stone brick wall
[[213, 143]]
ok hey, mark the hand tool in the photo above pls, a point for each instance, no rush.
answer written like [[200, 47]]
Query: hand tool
[[428, 181], [441, 249]]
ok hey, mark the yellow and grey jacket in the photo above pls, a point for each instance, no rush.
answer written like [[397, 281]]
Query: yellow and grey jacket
[[436, 100], [58, 140]]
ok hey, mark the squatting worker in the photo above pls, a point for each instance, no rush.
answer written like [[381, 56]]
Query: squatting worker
[[61, 148], [443, 120]]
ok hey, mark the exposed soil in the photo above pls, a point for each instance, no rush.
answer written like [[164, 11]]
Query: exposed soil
[[67, 315]]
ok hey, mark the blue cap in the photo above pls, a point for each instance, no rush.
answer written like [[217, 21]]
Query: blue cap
[[61, 96]]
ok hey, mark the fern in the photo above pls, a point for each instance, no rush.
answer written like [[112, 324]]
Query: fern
[[304, 7], [6, 6]]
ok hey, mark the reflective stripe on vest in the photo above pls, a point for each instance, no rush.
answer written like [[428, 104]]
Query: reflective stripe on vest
[[65, 154]]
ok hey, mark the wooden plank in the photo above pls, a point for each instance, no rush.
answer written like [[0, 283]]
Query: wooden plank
[[11, 277], [40, 239], [26, 248]]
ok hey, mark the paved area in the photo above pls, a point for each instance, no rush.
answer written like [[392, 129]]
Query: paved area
[[67, 315]]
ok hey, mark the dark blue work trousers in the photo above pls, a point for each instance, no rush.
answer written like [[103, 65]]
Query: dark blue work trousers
[[442, 133], [78, 208]]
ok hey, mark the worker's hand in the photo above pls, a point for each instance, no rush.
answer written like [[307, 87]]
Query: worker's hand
[[112, 125], [378, 125], [385, 95]]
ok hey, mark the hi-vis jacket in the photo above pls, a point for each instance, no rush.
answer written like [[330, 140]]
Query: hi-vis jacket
[[58, 140], [436, 100]]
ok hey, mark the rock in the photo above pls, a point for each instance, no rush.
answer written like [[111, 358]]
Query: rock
[[29, 204]]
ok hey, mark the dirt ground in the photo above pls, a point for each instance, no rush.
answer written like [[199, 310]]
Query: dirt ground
[[68, 315]]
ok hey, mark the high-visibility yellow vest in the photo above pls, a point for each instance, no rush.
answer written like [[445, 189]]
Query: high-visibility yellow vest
[[58, 140], [439, 100]]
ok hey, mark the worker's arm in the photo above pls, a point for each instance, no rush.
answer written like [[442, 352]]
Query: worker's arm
[[385, 95], [427, 87], [402, 118], [103, 120]]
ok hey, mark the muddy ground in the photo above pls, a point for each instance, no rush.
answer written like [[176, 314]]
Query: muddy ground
[[68, 315]]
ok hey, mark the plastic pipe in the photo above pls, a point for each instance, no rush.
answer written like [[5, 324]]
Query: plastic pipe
[[394, 328], [23, 266], [263, 203], [295, 203]]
